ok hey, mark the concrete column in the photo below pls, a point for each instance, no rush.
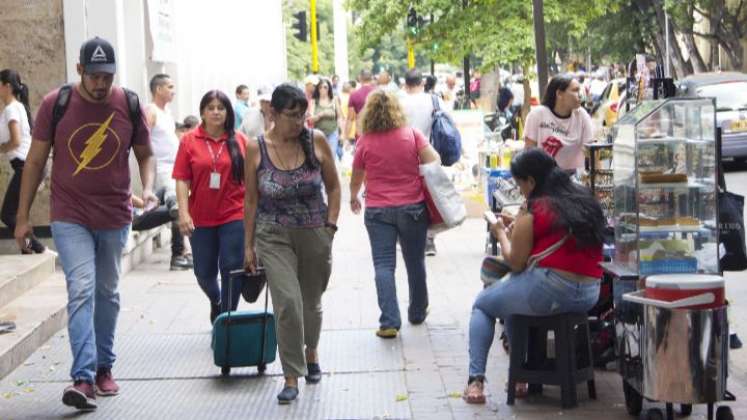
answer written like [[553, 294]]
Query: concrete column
[[74, 14], [341, 40]]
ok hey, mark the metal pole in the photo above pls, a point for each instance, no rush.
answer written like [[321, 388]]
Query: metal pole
[[466, 71], [666, 53], [314, 40], [539, 39], [410, 54], [433, 63]]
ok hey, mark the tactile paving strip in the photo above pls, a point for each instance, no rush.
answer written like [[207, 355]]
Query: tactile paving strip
[[190, 356]]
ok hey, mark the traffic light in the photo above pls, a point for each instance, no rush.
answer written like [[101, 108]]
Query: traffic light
[[299, 25], [412, 22]]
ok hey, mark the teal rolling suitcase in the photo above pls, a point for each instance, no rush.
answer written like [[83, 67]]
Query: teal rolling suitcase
[[244, 338]]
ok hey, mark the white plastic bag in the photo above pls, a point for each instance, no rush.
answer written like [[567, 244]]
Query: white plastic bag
[[445, 205]]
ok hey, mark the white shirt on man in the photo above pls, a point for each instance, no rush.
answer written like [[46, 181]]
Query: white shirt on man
[[418, 108], [163, 137]]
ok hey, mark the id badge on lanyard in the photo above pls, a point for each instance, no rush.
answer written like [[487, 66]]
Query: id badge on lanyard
[[214, 183]]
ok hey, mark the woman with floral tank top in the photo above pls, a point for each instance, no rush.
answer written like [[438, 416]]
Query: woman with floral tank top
[[289, 229]]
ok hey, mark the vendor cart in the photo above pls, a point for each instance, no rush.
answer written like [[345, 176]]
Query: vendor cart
[[670, 349]]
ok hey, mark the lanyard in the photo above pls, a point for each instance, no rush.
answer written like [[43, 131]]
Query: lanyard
[[214, 156]]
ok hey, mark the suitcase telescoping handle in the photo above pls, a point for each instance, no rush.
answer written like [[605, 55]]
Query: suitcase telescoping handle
[[241, 272]]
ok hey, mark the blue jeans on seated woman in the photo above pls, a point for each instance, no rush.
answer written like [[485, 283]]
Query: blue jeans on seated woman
[[409, 223], [536, 291], [219, 249]]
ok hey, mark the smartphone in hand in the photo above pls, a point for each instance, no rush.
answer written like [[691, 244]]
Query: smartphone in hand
[[490, 217]]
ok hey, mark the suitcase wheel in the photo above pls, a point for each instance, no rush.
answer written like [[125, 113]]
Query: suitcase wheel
[[225, 371], [261, 368]]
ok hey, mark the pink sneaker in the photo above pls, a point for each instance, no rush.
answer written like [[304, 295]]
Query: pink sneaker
[[105, 385], [80, 395]]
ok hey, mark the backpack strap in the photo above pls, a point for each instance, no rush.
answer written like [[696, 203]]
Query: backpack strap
[[63, 100], [436, 106], [133, 107], [59, 108]]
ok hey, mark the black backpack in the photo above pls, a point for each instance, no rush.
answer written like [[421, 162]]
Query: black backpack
[[63, 100], [445, 137]]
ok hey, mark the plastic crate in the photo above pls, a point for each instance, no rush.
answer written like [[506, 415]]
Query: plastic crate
[[689, 265], [491, 178]]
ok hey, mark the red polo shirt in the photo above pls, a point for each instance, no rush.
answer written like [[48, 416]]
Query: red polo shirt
[[194, 163]]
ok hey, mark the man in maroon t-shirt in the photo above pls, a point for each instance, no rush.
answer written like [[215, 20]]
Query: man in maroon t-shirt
[[358, 100], [90, 210]]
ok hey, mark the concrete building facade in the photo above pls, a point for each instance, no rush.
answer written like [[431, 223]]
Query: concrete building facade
[[202, 45]]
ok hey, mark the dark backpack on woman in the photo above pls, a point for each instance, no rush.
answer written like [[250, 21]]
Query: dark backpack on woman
[[445, 138]]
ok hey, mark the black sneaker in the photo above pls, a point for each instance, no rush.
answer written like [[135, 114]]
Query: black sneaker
[[314, 373], [180, 262], [734, 342], [80, 395], [430, 247], [214, 312], [37, 246], [417, 320], [287, 395]]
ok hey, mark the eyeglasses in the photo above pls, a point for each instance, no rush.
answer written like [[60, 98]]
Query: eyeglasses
[[294, 116]]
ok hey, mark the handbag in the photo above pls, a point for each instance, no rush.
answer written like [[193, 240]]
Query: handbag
[[252, 284], [445, 205], [730, 227], [731, 231], [495, 268]]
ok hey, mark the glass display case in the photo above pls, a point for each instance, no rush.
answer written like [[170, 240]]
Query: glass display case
[[665, 188]]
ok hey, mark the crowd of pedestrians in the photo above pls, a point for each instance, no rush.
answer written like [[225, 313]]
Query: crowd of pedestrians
[[257, 186]]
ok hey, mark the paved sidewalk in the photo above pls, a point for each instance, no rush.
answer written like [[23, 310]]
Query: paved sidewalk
[[165, 364]]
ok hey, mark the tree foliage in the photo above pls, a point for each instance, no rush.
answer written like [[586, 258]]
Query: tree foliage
[[496, 32], [299, 52]]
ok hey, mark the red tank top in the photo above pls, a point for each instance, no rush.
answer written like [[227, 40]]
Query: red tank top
[[568, 257]]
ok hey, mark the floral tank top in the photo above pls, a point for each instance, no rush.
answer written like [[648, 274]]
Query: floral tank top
[[290, 198]]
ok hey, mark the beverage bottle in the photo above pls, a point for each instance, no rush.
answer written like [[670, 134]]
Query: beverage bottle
[[506, 158]]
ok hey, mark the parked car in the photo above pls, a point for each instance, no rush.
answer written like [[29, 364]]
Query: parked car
[[730, 91], [604, 114]]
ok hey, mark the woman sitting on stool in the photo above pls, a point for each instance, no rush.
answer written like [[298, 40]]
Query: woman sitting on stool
[[562, 232]]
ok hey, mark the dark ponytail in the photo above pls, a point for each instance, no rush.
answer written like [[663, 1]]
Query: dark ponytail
[[574, 206], [237, 160], [19, 89]]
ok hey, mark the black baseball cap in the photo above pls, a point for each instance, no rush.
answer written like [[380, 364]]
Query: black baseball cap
[[97, 56]]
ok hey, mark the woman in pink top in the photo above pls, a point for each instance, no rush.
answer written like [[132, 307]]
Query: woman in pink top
[[387, 156]]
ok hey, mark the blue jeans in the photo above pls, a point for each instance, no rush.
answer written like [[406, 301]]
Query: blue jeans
[[91, 262], [333, 139], [214, 249], [538, 291], [409, 223]]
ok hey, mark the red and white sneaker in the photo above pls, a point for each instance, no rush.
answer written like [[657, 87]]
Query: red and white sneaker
[[105, 385], [80, 395]]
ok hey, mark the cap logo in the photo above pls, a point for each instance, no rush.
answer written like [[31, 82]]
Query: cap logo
[[99, 55]]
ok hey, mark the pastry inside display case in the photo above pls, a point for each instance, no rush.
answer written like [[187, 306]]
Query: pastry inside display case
[[665, 189]]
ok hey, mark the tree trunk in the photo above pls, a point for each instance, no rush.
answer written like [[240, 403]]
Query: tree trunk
[[489, 85], [696, 59], [682, 68], [735, 51], [526, 105], [717, 13]]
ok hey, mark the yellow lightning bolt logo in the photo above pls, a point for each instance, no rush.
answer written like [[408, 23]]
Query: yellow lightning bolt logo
[[93, 145]]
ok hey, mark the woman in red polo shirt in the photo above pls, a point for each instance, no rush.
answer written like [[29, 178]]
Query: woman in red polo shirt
[[209, 173], [562, 232]]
